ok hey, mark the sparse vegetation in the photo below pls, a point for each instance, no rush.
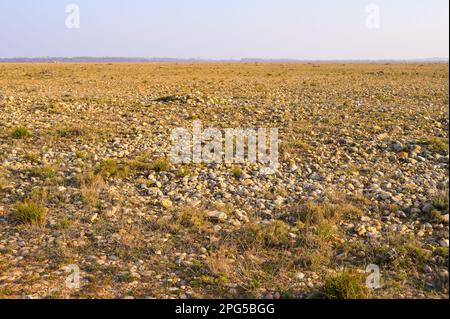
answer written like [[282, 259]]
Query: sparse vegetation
[[191, 217], [160, 165], [436, 144], [32, 157], [441, 202], [46, 171], [20, 132], [273, 234], [345, 285], [90, 187], [363, 179], [3, 179], [237, 172], [112, 168], [67, 132], [30, 213], [184, 171]]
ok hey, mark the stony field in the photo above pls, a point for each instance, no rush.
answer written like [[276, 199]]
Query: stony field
[[85, 180]]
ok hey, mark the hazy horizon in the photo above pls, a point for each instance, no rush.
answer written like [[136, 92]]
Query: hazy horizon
[[227, 30], [194, 59]]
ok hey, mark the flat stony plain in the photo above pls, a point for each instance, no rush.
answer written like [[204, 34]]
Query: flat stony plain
[[85, 182]]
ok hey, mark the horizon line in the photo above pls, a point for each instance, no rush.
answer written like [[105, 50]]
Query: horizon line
[[172, 59]]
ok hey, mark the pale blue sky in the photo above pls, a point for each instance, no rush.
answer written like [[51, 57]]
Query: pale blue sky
[[223, 29]]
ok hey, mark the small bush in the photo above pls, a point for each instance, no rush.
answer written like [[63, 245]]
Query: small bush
[[237, 172], [80, 154], [312, 214], [273, 234], [112, 168], [300, 145], [436, 144], [30, 213], [441, 202], [413, 255], [139, 166], [3, 179], [46, 171], [39, 195], [347, 103], [345, 285], [89, 196], [65, 223], [91, 186], [67, 132], [20, 132], [32, 157], [191, 217], [184, 171], [3, 183], [349, 211], [161, 165], [315, 214]]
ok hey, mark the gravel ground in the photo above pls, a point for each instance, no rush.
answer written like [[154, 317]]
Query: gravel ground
[[85, 181]]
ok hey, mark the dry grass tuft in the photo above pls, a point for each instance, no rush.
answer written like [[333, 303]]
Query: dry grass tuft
[[30, 213]]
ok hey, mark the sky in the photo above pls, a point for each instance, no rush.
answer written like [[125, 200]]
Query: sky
[[226, 29]]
